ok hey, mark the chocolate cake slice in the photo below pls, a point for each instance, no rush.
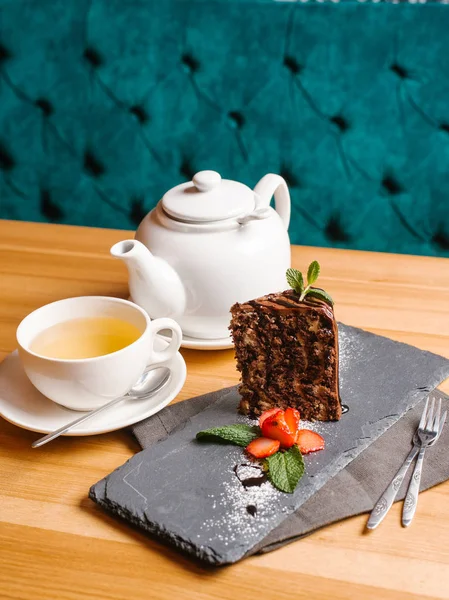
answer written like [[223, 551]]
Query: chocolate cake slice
[[287, 352]]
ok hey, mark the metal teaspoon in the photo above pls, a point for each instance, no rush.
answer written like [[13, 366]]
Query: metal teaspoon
[[144, 388]]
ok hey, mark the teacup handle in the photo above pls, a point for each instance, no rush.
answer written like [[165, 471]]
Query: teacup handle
[[158, 357]]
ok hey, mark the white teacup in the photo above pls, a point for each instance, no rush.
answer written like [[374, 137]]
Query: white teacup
[[87, 383]]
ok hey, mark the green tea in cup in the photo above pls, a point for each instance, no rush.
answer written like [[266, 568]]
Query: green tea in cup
[[85, 338]]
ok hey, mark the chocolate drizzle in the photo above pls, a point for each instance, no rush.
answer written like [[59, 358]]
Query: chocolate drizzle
[[249, 475], [290, 299]]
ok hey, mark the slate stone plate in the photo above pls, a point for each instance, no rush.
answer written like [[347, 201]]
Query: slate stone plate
[[191, 494]]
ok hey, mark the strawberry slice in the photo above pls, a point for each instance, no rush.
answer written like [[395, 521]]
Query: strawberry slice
[[262, 447], [268, 413], [292, 418], [309, 441], [276, 428]]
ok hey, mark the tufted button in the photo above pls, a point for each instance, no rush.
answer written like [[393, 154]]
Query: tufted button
[[334, 230], [340, 122], [236, 119], [190, 63], [92, 165], [400, 71], [140, 113], [291, 180], [187, 170], [391, 186], [137, 210], [444, 127], [48, 208], [441, 240], [7, 162], [45, 106], [292, 65], [4, 53], [93, 57]]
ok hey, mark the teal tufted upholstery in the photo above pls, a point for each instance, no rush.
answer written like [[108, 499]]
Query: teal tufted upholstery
[[104, 104]]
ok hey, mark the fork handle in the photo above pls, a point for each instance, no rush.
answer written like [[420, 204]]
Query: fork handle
[[411, 499], [385, 502]]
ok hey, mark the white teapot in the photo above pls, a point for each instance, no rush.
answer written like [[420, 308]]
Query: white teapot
[[209, 243]]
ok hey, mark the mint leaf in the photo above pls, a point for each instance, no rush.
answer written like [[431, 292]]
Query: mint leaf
[[285, 469], [321, 294], [239, 434], [313, 272], [295, 280]]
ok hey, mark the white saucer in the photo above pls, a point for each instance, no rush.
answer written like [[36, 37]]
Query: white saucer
[[23, 405], [202, 344]]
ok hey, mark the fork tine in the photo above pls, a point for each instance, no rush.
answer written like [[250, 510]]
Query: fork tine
[[422, 423], [429, 422], [436, 421], [442, 422]]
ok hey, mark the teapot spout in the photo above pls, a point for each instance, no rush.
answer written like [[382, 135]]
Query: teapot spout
[[153, 283]]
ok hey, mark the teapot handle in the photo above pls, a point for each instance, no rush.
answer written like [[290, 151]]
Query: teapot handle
[[274, 184]]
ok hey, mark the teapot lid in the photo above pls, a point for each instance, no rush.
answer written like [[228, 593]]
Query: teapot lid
[[208, 197]]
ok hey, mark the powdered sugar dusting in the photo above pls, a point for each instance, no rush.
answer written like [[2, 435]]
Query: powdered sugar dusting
[[344, 353], [248, 421], [321, 427], [242, 512], [350, 347]]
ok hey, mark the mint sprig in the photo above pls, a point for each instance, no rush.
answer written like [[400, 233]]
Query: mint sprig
[[238, 434], [285, 469], [295, 280]]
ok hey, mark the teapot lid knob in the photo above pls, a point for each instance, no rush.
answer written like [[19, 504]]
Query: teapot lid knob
[[204, 181], [208, 198]]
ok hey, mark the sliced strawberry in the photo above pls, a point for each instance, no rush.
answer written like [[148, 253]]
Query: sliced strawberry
[[262, 447], [292, 418], [268, 413], [276, 428], [309, 441]]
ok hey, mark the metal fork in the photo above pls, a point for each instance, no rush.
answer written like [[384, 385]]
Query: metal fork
[[429, 434], [385, 502]]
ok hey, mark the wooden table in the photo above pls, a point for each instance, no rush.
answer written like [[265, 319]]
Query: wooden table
[[56, 544]]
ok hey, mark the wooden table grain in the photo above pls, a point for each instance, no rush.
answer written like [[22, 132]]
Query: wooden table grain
[[55, 544]]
